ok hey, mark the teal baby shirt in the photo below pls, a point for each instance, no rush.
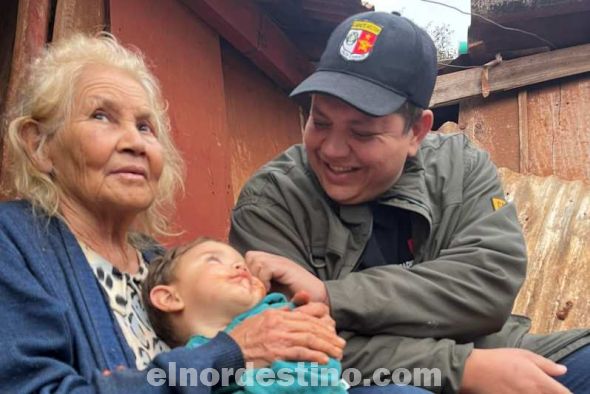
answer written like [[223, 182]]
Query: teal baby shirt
[[281, 377]]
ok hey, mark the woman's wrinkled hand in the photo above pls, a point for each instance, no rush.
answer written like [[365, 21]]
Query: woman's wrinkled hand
[[280, 334], [303, 304]]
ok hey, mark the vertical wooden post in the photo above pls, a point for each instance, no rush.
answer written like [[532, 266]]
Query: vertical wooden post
[[31, 35], [71, 16]]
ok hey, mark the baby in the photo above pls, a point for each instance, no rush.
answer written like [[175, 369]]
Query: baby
[[199, 289]]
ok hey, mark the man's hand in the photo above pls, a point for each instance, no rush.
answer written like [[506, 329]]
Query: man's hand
[[510, 371], [283, 275], [279, 334]]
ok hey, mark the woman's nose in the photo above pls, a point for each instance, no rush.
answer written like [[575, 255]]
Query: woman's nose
[[132, 140]]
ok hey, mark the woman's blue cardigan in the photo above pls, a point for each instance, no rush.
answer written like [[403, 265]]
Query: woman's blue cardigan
[[58, 333]]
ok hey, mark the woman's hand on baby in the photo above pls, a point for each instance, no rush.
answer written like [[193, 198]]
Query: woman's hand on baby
[[285, 275], [278, 334], [303, 304]]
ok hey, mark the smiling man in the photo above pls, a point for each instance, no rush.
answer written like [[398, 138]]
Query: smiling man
[[403, 233]]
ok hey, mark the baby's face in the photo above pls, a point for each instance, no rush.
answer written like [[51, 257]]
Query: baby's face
[[213, 274]]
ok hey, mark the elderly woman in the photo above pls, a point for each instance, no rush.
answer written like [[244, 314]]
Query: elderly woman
[[94, 166]]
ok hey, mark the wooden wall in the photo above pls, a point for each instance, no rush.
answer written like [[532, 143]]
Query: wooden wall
[[262, 120], [559, 130], [543, 130], [185, 55]]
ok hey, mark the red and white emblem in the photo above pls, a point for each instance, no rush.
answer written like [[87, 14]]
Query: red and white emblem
[[360, 40]]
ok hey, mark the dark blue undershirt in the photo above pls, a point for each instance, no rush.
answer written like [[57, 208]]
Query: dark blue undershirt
[[390, 238]]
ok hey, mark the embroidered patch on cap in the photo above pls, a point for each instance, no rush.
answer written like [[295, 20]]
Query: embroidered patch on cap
[[360, 40], [498, 203]]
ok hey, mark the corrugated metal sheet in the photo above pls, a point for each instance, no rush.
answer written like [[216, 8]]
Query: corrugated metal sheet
[[555, 215]]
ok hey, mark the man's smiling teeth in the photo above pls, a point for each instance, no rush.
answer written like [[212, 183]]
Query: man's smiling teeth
[[339, 168]]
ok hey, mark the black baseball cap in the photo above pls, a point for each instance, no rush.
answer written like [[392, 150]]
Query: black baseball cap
[[375, 61]]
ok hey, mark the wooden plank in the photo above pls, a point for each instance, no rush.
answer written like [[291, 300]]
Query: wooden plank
[[492, 124], [88, 16], [523, 130], [8, 21], [572, 137], [256, 36], [185, 55], [30, 38], [558, 138], [512, 74], [542, 121]]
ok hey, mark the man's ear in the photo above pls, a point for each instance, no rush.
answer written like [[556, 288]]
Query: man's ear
[[166, 299], [420, 129], [36, 146]]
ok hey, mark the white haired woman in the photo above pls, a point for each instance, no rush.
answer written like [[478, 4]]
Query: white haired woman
[[95, 170]]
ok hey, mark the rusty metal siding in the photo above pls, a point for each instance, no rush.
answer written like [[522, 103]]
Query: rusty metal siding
[[555, 215], [186, 57], [262, 120]]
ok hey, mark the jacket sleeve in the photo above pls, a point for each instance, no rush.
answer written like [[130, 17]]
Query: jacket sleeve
[[37, 355], [466, 291], [436, 365]]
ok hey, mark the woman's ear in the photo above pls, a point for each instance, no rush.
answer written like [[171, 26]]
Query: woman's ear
[[420, 129], [166, 299], [36, 146]]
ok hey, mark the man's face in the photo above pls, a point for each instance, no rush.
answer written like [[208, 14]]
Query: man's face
[[213, 276], [356, 157]]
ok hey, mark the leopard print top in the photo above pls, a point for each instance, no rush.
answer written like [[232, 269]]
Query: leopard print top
[[123, 291]]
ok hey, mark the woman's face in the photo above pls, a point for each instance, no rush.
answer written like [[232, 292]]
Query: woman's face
[[108, 157]]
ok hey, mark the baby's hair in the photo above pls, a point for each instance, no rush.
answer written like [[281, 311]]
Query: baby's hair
[[161, 271]]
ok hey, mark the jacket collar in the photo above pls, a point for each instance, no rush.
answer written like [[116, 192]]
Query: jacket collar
[[410, 191]]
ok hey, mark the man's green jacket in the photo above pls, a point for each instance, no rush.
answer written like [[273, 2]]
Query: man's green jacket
[[457, 294]]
